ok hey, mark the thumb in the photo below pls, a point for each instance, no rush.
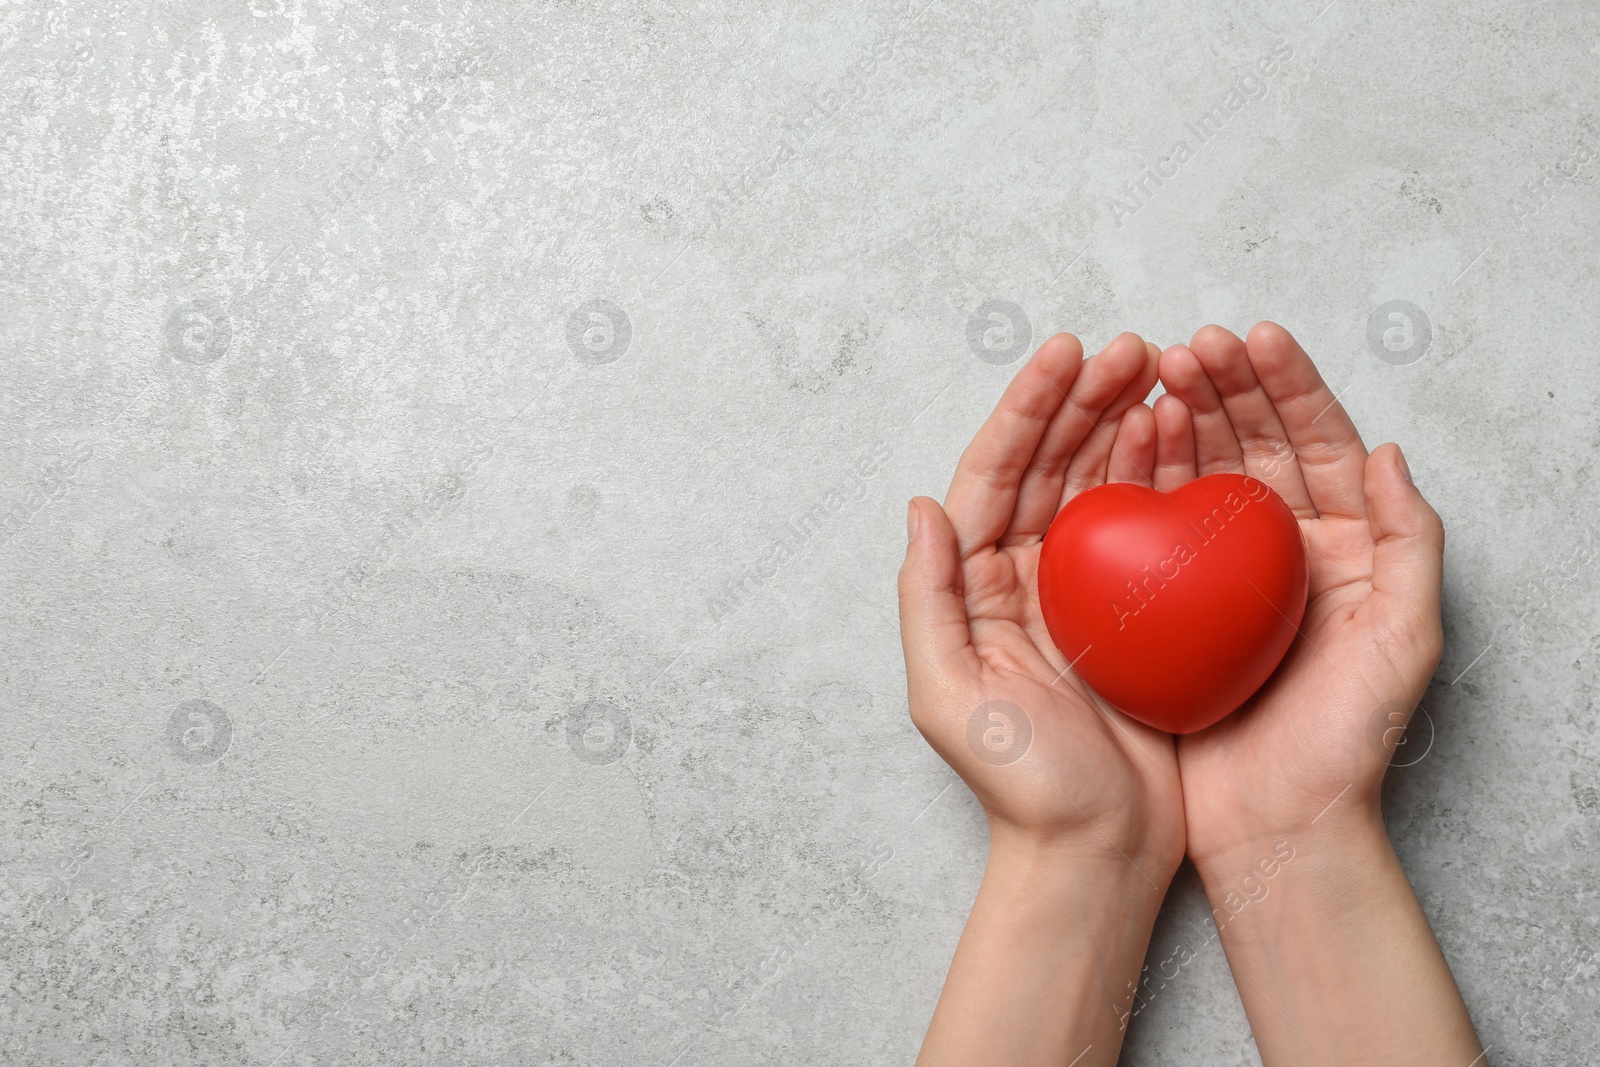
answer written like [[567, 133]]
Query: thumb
[[933, 610], [1408, 540]]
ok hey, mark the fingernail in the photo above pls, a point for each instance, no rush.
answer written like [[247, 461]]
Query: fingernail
[[1400, 461], [913, 520]]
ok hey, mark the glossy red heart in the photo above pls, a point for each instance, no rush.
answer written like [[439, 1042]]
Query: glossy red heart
[[1176, 606]]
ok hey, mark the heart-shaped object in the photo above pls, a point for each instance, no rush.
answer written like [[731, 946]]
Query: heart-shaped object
[[1176, 606]]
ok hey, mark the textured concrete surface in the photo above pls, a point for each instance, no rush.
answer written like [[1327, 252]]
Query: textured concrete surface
[[454, 465]]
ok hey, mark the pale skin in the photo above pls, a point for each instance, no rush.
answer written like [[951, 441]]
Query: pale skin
[[1333, 957]]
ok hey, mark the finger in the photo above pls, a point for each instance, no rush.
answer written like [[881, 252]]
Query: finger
[[1138, 388], [1408, 552], [1133, 457], [983, 493], [933, 611], [1174, 444], [1262, 438], [1216, 448], [1112, 382], [1332, 458], [1104, 382]]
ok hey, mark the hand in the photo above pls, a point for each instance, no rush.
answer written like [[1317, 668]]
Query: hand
[[1295, 774], [1321, 731], [980, 663], [1084, 804]]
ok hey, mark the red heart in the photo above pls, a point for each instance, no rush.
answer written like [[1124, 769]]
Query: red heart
[[1177, 606]]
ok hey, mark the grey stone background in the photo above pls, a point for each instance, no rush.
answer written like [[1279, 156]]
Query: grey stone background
[[408, 659]]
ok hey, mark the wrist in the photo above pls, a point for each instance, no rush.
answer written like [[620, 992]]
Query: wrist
[[1223, 842], [1134, 843], [1332, 953], [1081, 865], [1317, 869], [1050, 953]]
